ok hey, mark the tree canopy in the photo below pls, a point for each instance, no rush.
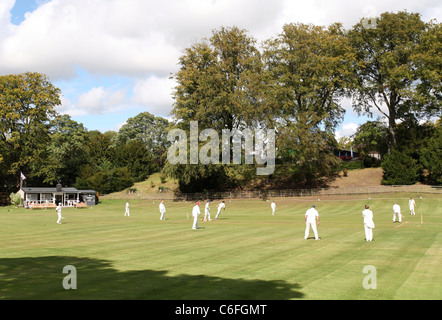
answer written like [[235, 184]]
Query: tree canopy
[[293, 83]]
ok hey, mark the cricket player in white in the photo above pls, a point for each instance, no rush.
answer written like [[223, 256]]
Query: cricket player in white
[[367, 214], [397, 211], [221, 206], [126, 213], [195, 213], [273, 205], [162, 210], [207, 211], [58, 209], [412, 206], [310, 216]]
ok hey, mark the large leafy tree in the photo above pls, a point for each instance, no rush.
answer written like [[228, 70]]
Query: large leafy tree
[[220, 86], [67, 152], [219, 82], [27, 106], [371, 136], [308, 68], [149, 130], [397, 69]]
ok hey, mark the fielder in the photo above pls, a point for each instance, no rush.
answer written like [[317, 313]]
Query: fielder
[[367, 214], [221, 206], [397, 211], [207, 211], [310, 216], [162, 210], [273, 205], [412, 206], [195, 213], [58, 209], [126, 213]]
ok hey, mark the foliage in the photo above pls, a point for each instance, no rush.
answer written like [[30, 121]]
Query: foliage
[[15, 198], [66, 152], [431, 155], [308, 69], [371, 136], [105, 182], [27, 105], [220, 86], [394, 73], [294, 84], [400, 169]]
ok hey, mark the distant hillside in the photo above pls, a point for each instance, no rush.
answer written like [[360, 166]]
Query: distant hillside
[[152, 185], [358, 178]]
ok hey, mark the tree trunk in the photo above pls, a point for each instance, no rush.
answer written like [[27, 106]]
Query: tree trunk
[[392, 129]]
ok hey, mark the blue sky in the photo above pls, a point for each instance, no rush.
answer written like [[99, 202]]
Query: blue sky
[[112, 58]]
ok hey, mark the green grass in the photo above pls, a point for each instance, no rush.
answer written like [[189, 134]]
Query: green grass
[[248, 254]]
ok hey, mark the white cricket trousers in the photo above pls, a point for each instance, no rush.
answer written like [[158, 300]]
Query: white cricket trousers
[[399, 216], [59, 217], [307, 229], [195, 222], [207, 215], [217, 215], [162, 216], [368, 233]]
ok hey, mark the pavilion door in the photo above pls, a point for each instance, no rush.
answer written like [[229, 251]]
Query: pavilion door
[[58, 198]]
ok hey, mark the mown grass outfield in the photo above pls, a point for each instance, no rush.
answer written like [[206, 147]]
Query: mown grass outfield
[[248, 254]]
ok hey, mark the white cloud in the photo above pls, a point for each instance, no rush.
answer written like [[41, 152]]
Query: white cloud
[[130, 37], [142, 40], [96, 101], [155, 94], [347, 130]]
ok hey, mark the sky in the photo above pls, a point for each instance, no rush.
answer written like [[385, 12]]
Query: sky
[[112, 59]]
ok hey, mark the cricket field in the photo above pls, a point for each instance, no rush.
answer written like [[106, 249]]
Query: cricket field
[[247, 254]]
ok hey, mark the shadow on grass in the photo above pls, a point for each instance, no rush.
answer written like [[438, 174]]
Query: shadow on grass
[[42, 279]]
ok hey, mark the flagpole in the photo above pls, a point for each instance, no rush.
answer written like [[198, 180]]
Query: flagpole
[[21, 185]]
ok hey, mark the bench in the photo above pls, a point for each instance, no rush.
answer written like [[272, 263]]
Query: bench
[[42, 206]]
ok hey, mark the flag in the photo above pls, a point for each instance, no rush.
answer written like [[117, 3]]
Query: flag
[[22, 176]]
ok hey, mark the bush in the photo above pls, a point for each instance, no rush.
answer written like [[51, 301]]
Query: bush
[[431, 159], [107, 182], [370, 162], [15, 198], [400, 169]]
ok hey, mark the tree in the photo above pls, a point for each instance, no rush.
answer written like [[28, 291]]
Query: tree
[[371, 136], [66, 152], [139, 161], [308, 69], [150, 130], [431, 156], [101, 148], [220, 86], [27, 105], [390, 77], [400, 169]]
